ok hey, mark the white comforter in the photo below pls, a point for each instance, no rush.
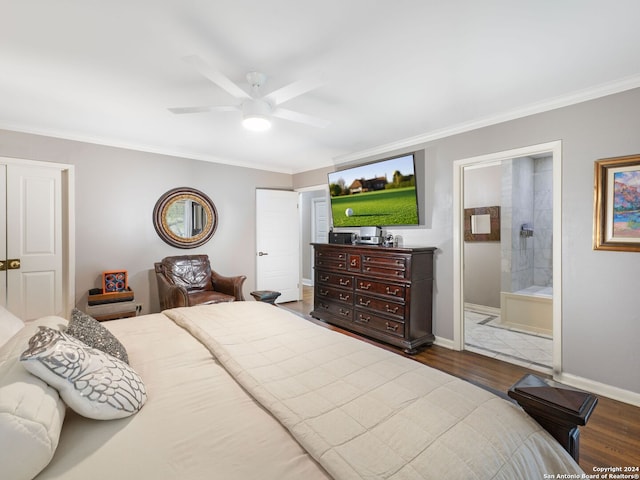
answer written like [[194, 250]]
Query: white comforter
[[365, 413], [197, 424]]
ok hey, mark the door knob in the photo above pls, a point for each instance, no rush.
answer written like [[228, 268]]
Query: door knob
[[260, 254], [10, 264]]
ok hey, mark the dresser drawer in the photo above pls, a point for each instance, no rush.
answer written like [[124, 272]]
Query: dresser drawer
[[390, 273], [337, 309], [394, 309], [331, 254], [330, 293], [380, 288], [387, 266], [385, 261], [381, 324], [332, 263], [334, 279]]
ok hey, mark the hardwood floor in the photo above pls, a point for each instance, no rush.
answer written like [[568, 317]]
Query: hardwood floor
[[611, 437]]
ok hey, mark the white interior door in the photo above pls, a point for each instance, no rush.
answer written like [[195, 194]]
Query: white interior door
[[319, 227], [3, 237], [34, 245], [278, 243], [320, 220]]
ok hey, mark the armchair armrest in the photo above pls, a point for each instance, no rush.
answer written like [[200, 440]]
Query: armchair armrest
[[170, 295], [229, 285]]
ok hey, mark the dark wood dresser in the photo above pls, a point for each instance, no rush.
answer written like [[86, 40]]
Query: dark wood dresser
[[382, 292]]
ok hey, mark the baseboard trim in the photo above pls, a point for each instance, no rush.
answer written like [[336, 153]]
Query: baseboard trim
[[482, 308], [609, 391], [444, 342]]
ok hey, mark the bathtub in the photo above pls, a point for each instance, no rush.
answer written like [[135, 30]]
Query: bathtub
[[529, 310]]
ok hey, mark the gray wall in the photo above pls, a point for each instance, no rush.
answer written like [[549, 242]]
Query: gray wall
[[601, 318], [116, 190]]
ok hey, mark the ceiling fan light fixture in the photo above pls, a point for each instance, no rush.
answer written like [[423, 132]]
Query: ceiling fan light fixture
[[256, 123], [256, 115]]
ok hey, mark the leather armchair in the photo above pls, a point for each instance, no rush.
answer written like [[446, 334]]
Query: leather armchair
[[188, 280]]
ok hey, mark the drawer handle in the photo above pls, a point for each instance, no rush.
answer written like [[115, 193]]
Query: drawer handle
[[363, 287], [364, 319], [324, 293], [344, 297], [341, 265], [390, 327], [324, 279], [398, 273], [395, 291], [368, 269], [354, 262], [368, 259], [399, 262], [341, 255], [344, 283], [344, 312], [391, 310], [324, 305], [364, 304]]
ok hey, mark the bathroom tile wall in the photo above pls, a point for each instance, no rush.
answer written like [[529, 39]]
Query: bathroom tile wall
[[543, 222]]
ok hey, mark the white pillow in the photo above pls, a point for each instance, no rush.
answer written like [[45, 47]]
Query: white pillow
[[9, 325], [93, 383], [31, 412]]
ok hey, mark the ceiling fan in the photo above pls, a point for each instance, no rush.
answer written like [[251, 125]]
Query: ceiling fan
[[256, 107]]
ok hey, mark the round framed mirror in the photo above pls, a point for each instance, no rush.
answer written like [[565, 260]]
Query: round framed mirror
[[185, 218]]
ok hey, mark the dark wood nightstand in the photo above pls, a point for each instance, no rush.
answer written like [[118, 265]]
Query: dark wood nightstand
[[112, 305], [558, 408]]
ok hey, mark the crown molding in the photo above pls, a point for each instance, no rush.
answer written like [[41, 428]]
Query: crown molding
[[591, 93], [141, 148]]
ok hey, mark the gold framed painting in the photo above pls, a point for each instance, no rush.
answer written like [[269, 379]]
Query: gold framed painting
[[616, 224]]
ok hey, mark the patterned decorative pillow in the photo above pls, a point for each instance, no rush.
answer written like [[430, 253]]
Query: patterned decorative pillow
[[90, 331], [94, 384]]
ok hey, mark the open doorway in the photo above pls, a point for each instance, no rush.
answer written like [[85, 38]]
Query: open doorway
[[508, 303], [314, 228], [314, 225]]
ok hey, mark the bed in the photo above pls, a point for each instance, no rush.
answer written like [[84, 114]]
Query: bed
[[247, 390]]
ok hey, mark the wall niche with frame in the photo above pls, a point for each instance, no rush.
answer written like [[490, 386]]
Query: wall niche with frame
[[482, 224]]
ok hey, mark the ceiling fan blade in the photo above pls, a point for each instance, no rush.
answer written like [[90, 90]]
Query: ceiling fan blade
[[216, 77], [222, 108], [300, 118], [292, 90]]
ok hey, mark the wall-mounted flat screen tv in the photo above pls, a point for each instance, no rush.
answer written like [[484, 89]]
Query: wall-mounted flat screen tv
[[381, 193]]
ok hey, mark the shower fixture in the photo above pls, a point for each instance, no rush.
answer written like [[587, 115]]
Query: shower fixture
[[526, 230]]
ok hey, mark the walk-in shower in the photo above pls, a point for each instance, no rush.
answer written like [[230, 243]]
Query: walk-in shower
[[527, 244]]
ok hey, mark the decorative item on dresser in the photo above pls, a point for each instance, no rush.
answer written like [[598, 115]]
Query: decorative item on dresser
[[382, 292]]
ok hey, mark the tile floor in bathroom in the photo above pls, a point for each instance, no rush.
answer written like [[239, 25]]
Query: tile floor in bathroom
[[484, 335]]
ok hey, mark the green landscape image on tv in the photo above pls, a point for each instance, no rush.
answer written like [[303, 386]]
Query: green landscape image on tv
[[382, 193]]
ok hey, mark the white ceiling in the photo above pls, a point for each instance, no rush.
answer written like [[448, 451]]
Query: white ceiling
[[393, 71]]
